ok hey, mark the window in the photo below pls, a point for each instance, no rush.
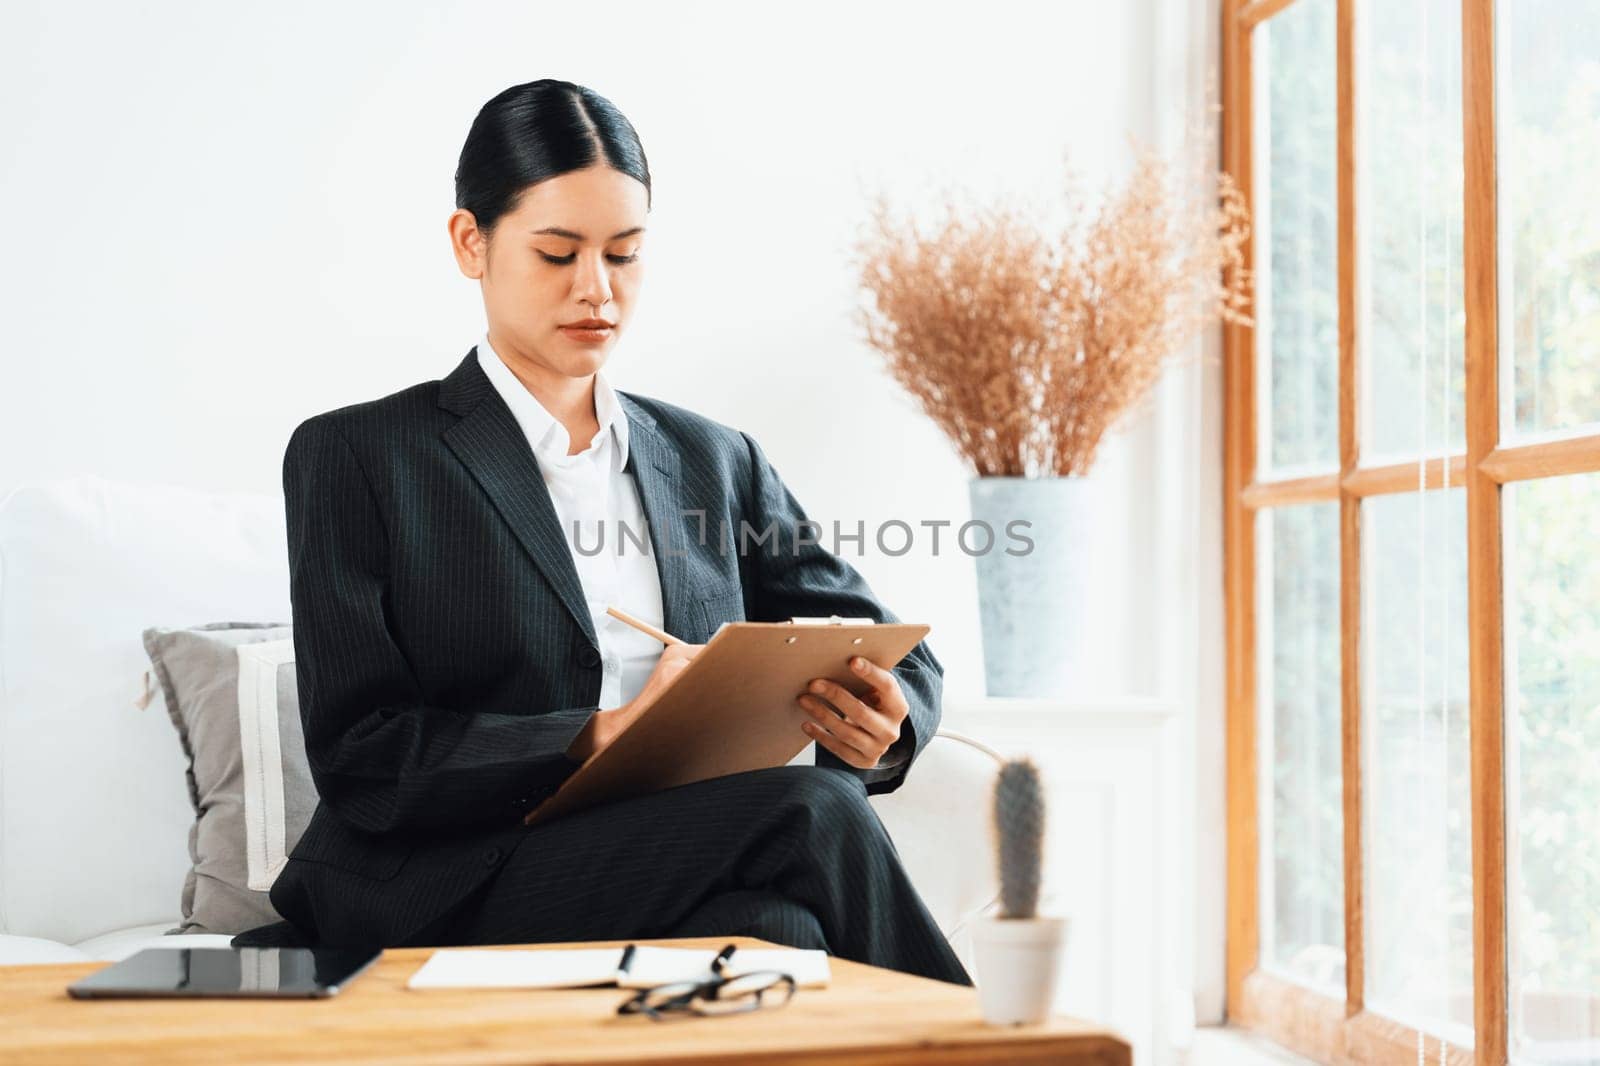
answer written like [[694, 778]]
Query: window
[[1412, 479]]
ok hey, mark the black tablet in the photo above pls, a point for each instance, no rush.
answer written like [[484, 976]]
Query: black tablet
[[272, 973]]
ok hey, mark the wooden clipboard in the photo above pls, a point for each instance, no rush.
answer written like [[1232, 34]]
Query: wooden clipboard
[[731, 709]]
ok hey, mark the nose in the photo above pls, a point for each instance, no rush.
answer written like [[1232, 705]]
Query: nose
[[592, 284]]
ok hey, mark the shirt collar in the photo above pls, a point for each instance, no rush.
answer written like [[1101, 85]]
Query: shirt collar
[[544, 431]]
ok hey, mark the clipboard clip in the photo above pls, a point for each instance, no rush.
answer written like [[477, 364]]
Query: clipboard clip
[[831, 620]]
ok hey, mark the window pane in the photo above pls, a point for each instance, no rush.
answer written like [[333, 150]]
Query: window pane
[[1547, 98], [1552, 575], [1297, 330], [1411, 310], [1416, 788], [1300, 807]]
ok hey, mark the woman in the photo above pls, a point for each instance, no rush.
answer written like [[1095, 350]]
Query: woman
[[454, 656]]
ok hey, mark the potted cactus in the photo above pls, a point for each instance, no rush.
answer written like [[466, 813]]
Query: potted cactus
[[1017, 952]]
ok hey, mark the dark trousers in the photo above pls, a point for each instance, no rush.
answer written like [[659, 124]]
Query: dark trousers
[[791, 854]]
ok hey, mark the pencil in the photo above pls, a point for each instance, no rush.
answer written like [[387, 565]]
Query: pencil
[[642, 626]]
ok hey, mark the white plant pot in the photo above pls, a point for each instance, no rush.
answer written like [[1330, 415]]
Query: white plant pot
[[1018, 962]]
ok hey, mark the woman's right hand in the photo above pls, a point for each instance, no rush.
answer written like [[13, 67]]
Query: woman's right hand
[[604, 726]]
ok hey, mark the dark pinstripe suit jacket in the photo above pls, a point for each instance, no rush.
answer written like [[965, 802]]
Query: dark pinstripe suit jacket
[[445, 653]]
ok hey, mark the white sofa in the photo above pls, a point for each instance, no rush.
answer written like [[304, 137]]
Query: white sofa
[[94, 813]]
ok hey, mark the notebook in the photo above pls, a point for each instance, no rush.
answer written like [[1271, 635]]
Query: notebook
[[582, 967]]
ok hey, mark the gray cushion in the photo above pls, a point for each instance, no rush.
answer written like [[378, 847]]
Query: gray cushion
[[231, 692]]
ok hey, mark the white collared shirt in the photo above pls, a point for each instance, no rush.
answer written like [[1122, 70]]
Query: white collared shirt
[[594, 499]]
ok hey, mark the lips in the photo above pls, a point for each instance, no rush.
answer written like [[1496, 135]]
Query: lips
[[588, 335]]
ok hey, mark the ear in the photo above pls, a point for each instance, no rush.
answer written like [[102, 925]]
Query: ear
[[468, 243]]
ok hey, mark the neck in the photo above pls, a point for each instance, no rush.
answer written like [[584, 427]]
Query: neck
[[569, 399]]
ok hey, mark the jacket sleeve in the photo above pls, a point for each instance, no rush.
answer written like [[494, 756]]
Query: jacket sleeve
[[381, 758], [798, 578]]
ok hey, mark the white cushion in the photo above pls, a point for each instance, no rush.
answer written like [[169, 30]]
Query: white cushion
[[118, 945], [94, 814], [108, 947], [32, 950]]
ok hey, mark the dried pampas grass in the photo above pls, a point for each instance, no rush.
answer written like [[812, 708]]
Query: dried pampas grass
[[1026, 344]]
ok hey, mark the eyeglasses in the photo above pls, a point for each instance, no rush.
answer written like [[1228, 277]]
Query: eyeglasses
[[720, 995]]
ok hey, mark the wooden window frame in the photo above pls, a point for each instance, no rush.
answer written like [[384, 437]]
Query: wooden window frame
[[1310, 1022]]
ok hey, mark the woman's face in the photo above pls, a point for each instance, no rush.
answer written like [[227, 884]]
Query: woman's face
[[570, 251]]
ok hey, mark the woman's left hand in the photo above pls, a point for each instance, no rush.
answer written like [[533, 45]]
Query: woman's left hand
[[857, 729]]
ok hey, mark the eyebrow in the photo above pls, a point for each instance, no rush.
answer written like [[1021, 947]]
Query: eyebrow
[[557, 231]]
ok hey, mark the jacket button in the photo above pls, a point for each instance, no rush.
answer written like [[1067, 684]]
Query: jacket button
[[588, 656], [492, 856]]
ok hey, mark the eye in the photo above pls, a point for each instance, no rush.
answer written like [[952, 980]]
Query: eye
[[620, 260]]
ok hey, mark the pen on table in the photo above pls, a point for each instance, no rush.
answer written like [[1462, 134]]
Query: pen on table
[[642, 626]]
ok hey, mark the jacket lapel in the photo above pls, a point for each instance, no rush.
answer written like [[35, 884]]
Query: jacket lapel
[[492, 446], [654, 465]]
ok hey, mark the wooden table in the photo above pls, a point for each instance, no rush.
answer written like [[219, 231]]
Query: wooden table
[[864, 1015]]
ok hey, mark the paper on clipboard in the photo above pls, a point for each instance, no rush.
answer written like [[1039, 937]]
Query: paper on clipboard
[[831, 620]]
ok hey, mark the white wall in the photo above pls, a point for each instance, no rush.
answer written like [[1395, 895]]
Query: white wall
[[223, 219]]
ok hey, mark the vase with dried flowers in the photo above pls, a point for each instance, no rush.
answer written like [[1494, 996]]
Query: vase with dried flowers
[[1026, 343]]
